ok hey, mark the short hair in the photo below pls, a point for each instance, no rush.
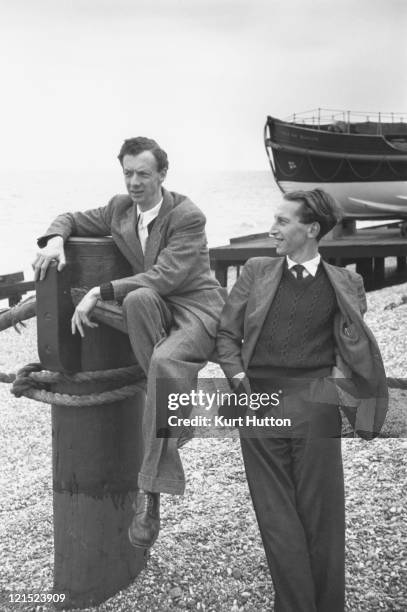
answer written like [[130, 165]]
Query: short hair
[[135, 146], [317, 205]]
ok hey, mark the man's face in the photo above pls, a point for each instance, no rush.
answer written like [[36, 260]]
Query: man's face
[[291, 236], [143, 181]]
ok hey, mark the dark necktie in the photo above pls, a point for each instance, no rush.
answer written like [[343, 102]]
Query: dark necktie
[[299, 271]]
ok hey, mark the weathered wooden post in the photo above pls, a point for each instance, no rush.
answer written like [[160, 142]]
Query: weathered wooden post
[[96, 449], [364, 267], [401, 264]]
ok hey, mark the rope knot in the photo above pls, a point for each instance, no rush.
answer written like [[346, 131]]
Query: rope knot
[[24, 381]]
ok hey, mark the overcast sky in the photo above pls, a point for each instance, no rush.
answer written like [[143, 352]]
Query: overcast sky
[[200, 76]]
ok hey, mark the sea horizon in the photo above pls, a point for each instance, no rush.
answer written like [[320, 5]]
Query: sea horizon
[[235, 203]]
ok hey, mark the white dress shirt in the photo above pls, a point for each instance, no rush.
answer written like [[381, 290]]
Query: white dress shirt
[[143, 221], [310, 266]]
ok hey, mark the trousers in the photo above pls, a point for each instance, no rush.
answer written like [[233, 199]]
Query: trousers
[[169, 344], [297, 488]]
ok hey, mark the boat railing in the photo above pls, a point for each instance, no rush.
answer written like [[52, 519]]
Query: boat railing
[[344, 120]]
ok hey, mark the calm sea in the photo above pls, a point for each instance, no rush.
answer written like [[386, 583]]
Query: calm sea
[[234, 203]]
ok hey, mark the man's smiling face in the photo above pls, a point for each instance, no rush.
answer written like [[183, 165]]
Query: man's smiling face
[[292, 237]]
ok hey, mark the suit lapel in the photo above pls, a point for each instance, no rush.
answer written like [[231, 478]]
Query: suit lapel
[[154, 240], [261, 299], [344, 289]]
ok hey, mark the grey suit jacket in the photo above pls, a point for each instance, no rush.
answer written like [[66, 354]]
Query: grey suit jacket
[[176, 258], [358, 355]]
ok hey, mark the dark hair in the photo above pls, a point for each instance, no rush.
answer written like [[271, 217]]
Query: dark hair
[[317, 206], [134, 146]]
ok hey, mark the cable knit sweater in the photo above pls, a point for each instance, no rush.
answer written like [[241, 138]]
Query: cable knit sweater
[[298, 329]]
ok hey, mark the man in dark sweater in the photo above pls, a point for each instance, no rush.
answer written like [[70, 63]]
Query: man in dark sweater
[[293, 325]]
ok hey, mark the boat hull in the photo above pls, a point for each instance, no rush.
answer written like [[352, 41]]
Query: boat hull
[[293, 163], [372, 200], [367, 173]]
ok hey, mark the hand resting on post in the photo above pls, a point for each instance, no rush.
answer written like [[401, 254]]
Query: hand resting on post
[[53, 251]]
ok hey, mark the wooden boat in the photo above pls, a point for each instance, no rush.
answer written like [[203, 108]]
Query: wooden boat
[[359, 158]]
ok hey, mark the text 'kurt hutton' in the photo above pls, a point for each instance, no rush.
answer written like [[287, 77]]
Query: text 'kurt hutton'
[[221, 421]]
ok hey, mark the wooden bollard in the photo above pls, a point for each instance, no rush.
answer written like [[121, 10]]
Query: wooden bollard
[[96, 449]]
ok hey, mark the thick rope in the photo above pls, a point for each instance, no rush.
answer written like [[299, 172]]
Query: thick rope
[[34, 383], [14, 316], [77, 401], [44, 376], [119, 375], [7, 378], [397, 383]]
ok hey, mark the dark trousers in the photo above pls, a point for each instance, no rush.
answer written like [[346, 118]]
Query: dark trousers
[[297, 488]]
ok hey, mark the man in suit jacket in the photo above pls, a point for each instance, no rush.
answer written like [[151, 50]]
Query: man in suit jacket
[[171, 302], [293, 325]]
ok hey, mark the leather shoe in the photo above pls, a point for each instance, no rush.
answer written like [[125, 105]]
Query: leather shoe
[[145, 525]]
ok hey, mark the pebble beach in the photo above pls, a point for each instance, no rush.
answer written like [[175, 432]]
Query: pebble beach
[[221, 85], [209, 555]]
